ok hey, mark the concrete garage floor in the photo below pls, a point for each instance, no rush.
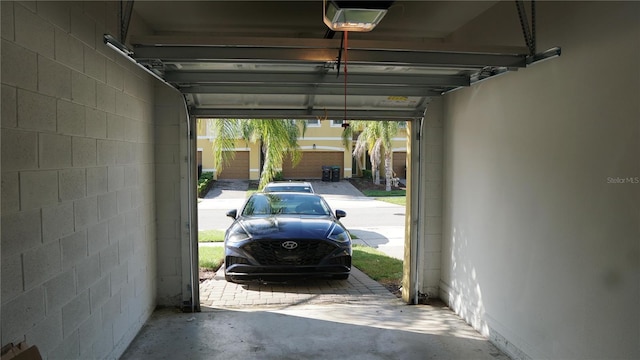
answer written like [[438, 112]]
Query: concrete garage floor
[[327, 331], [316, 319]]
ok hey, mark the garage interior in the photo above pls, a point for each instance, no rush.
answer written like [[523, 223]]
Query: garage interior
[[524, 201]]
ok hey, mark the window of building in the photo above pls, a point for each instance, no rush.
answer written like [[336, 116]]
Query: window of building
[[313, 123]]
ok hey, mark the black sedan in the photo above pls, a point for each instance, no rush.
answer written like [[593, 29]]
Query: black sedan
[[292, 234]]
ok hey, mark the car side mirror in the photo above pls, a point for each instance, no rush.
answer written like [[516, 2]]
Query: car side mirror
[[232, 213], [340, 214]]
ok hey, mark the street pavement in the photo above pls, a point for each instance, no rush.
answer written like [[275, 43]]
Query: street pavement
[[375, 223]]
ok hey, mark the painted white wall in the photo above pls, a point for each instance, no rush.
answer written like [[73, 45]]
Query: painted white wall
[[429, 185], [78, 251], [541, 247]]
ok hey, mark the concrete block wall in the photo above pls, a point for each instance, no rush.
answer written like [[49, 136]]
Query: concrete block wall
[[78, 254]]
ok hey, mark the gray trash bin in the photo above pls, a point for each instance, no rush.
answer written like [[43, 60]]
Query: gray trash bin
[[326, 173], [335, 173]]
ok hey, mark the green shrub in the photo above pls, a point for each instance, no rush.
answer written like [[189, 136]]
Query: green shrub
[[204, 183], [207, 175], [366, 174]]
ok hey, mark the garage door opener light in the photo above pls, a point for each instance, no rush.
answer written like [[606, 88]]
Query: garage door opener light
[[359, 16]]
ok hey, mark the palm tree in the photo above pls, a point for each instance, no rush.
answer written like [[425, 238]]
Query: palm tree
[[374, 137], [278, 138]]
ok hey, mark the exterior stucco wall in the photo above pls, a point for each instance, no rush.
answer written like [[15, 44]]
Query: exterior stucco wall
[[78, 250], [205, 146], [326, 136], [542, 188], [205, 140]]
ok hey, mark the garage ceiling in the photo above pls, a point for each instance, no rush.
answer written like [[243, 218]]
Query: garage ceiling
[[277, 59]]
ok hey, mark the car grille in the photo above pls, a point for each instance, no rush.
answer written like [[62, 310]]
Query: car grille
[[271, 252], [341, 260], [233, 260]]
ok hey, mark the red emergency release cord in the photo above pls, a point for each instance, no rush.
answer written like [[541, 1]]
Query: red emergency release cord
[[346, 46]]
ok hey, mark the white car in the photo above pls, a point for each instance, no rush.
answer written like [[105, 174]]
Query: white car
[[289, 186]]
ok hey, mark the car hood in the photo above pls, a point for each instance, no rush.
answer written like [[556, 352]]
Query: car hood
[[288, 227]]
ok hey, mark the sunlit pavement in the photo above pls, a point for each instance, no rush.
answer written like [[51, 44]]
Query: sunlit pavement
[[218, 293]]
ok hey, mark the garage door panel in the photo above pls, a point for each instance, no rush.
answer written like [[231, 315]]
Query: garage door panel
[[399, 163], [238, 168], [310, 167]]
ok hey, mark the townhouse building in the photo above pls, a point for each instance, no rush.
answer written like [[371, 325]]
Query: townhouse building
[[321, 145]]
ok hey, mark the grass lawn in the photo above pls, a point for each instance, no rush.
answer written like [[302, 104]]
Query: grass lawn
[[377, 265], [210, 257], [382, 193], [398, 197], [210, 236], [398, 200]]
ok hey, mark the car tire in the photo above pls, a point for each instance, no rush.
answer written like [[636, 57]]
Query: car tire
[[340, 277]]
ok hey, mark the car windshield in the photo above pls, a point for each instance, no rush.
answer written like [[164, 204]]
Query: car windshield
[[269, 204]]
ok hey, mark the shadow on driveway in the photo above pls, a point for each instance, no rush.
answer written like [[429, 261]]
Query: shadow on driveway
[[228, 189]]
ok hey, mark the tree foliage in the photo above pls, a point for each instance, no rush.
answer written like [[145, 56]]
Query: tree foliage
[[375, 138], [278, 139]]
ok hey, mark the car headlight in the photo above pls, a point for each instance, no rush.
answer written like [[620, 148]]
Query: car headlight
[[339, 234], [237, 234]]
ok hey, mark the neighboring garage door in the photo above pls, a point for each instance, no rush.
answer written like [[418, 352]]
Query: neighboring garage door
[[399, 163], [310, 167], [238, 168]]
